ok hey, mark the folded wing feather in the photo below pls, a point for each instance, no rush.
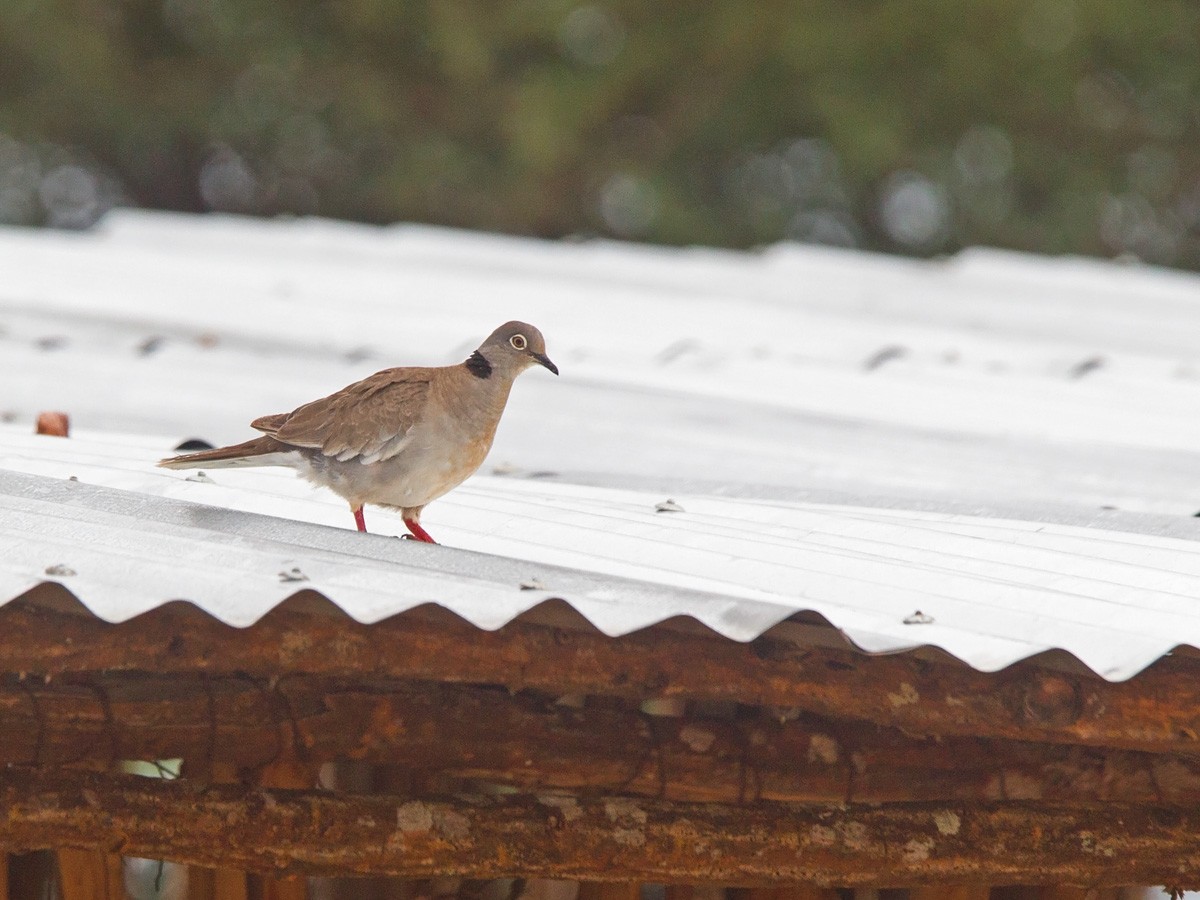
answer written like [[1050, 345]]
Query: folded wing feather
[[368, 420]]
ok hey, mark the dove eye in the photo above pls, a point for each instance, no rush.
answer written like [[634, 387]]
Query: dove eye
[[518, 342]]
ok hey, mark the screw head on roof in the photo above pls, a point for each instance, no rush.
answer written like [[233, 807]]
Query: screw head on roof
[[151, 345], [918, 618], [668, 505], [60, 571]]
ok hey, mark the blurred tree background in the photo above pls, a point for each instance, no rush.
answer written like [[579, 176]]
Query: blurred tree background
[[918, 126]]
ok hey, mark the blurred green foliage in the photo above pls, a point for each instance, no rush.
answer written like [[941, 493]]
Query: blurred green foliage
[[920, 126]]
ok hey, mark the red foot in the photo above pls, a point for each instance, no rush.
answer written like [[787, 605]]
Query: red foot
[[418, 532], [359, 520]]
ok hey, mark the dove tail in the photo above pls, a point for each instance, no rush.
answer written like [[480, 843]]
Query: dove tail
[[261, 451]]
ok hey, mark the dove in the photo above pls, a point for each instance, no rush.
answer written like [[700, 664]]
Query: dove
[[400, 438]]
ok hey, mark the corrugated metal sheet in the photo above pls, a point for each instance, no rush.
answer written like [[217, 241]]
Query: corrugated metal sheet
[[990, 591], [861, 436]]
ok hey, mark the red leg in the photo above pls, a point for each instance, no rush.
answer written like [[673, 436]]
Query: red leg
[[418, 532], [359, 520]]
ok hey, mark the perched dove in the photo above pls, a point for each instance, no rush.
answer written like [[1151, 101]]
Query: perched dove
[[400, 438]]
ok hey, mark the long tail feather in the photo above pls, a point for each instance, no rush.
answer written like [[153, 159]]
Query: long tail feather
[[262, 451]]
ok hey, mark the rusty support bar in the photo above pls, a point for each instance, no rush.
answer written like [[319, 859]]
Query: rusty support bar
[[90, 875], [596, 839], [466, 731], [1158, 711], [216, 884], [284, 772]]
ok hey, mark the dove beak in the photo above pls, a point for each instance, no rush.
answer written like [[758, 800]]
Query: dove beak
[[545, 361]]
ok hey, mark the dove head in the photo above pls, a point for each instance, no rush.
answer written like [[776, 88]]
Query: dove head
[[509, 350]]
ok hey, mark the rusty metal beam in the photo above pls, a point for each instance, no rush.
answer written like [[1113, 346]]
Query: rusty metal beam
[[1158, 711], [601, 839], [532, 742]]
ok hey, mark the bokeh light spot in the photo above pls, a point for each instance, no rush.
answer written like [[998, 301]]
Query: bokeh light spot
[[70, 195], [628, 205], [591, 35], [226, 182], [915, 211]]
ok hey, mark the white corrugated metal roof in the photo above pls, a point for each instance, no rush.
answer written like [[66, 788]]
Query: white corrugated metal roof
[[990, 591], [856, 435], [731, 368]]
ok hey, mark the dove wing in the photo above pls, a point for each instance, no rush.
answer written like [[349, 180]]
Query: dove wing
[[369, 420]]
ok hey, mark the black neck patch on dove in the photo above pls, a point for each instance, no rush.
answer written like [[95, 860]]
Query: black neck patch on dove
[[478, 365]]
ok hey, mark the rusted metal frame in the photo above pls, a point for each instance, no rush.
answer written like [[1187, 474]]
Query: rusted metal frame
[[602, 839], [286, 771], [528, 740], [90, 875], [216, 884], [1158, 711], [221, 883]]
